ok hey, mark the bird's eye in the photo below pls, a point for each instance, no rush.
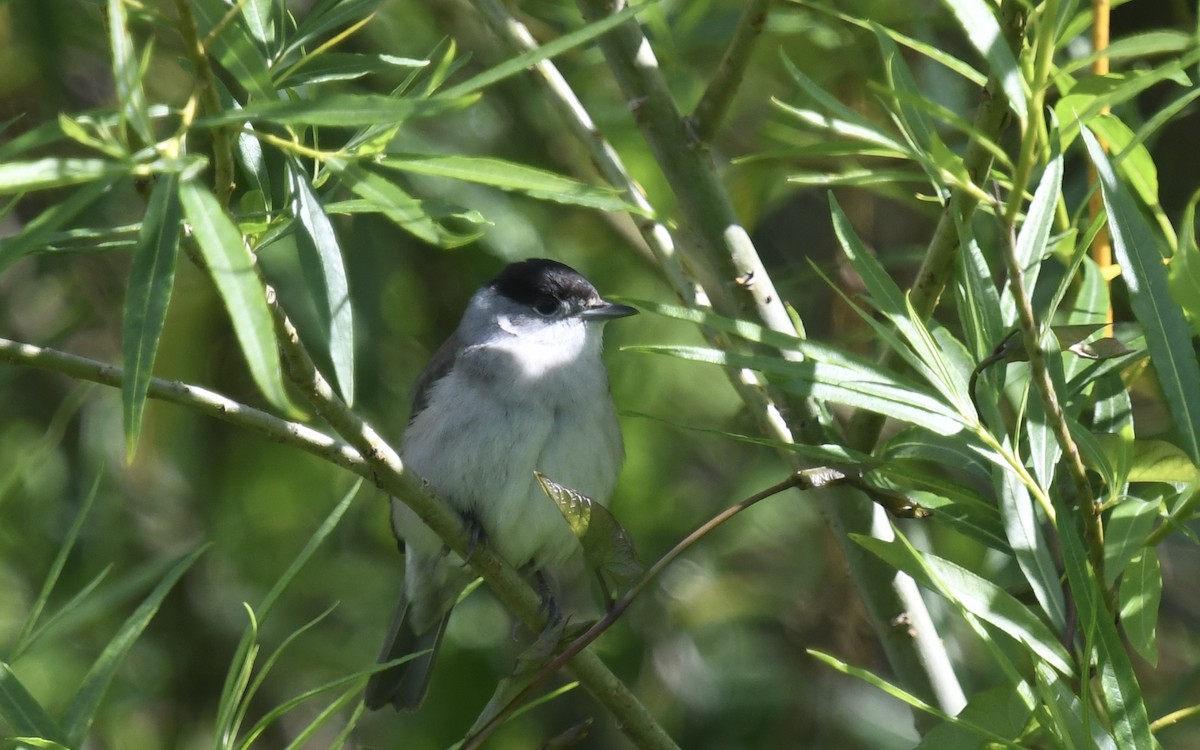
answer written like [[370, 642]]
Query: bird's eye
[[546, 306]]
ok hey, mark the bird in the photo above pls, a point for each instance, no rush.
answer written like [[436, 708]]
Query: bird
[[518, 388]]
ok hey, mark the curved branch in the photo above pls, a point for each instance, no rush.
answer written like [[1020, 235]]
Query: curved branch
[[195, 397]]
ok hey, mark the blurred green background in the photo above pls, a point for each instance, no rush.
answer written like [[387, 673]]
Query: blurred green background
[[716, 649]]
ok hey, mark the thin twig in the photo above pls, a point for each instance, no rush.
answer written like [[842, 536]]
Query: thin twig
[[714, 103], [195, 397], [803, 480]]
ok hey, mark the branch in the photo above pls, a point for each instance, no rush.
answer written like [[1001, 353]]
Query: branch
[[803, 480], [195, 397], [513, 591], [714, 104]]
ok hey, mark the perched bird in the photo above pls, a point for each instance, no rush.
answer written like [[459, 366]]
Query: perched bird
[[519, 387]]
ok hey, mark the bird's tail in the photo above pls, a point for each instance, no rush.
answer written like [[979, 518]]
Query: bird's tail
[[405, 685]]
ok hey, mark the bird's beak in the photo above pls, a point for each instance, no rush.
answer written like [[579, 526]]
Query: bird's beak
[[605, 310]]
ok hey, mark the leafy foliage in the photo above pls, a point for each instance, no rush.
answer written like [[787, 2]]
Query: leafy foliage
[[946, 328]]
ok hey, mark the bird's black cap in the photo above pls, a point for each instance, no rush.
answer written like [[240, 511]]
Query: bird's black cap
[[528, 281]]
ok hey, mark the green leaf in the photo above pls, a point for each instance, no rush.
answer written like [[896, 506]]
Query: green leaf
[[1067, 714], [1152, 460], [1120, 691], [324, 18], [127, 73], [37, 233], [976, 595], [53, 172], [863, 386], [21, 712], [1034, 238], [1001, 709], [325, 274], [347, 66], [1023, 530], [395, 203], [909, 698], [151, 279], [341, 110], [235, 48], [508, 175], [1183, 275], [983, 31], [1168, 336], [233, 271], [83, 706], [523, 62], [607, 547], [29, 632], [1139, 597], [1124, 533]]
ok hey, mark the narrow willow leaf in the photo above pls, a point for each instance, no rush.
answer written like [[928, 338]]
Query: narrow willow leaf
[[395, 203], [1168, 336], [848, 129], [54, 172], [1152, 460], [127, 73], [341, 110], [976, 595], [151, 279], [983, 31], [1034, 237], [903, 695], [1183, 275], [1136, 167], [1140, 595], [1065, 708], [325, 274], [1160, 42], [863, 386], [523, 62], [21, 712], [508, 175], [1030, 548], [348, 66], [235, 48], [325, 17], [87, 700], [1120, 691], [233, 273], [260, 21], [35, 235]]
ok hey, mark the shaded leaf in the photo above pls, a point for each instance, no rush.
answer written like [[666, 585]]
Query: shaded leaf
[[127, 73], [340, 110], [976, 595], [38, 232], [1124, 533], [87, 700], [21, 712], [508, 175], [235, 48], [325, 275], [151, 279]]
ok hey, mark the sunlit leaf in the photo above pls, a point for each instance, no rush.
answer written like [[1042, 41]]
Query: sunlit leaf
[[607, 546], [976, 595], [1168, 336], [978, 20], [127, 73], [340, 110], [231, 267], [1139, 597], [508, 175]]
